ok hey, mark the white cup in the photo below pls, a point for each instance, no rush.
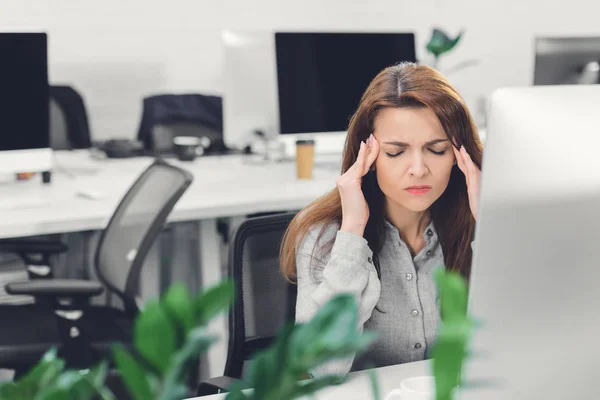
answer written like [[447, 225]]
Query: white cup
[[417, 388]]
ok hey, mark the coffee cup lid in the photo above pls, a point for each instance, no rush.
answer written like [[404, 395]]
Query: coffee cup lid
[[305, 141]]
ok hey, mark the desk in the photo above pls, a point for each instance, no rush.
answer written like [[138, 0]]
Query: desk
[[224, 186], [358, 385]]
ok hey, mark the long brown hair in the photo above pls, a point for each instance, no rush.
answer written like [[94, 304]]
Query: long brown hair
[[402, 85]]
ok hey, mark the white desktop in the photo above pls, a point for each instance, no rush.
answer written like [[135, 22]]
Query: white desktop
[[534, 282], [24, 104], [301, 85]]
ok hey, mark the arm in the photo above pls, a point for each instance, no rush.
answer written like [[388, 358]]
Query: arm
[[348, 268]]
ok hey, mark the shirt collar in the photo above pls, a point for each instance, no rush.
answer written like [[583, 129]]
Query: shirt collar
[[430, 233]]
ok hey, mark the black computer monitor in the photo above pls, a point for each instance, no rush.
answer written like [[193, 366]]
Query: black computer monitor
[[24, 100], [567, 60], [322, 76]]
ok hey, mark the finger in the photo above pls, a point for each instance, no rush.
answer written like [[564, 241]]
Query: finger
[[471, 167], [373, 153], [360, 159], [459, 160]]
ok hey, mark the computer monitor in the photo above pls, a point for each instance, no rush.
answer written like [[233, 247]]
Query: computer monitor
[[24, 104], [294, 85], [249, 86], [567, 60], [534, 282]]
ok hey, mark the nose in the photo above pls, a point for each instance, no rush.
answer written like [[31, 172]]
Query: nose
[[417, 167]]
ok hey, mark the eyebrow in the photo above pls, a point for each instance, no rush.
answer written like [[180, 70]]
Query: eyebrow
[[403, 144]]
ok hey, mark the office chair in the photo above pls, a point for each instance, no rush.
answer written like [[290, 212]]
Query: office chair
[[62, 315], [69, 130], [165, 116], [69, 127], [265, 301]]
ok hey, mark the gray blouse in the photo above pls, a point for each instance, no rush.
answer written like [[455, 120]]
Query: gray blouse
[[402, 307]]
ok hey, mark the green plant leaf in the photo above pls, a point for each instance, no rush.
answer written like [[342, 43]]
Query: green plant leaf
[[197, 342], [332, 333], [441, 43], [43, 373], [155, 336], [176, 392], [12, 391], [235, 393], [178, 304], [54, 394], [450, 347], [132, 373], [213, 301], [374, 382], [314, 385], [97, 375]]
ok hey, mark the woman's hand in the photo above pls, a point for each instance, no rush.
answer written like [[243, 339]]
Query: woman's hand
[[472, 175], [355, 210]]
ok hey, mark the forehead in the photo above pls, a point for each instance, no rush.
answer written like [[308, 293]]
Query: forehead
[[408, 125]]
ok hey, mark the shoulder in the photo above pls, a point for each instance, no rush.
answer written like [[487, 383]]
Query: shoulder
[[318, 236]]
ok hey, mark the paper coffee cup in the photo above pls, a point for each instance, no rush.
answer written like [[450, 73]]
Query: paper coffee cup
[[305, 158]]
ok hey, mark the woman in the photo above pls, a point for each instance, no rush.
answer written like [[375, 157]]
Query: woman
[[406, 202]]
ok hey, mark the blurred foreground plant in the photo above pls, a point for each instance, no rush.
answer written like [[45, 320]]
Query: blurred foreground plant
[[277, 372], [450, 348]]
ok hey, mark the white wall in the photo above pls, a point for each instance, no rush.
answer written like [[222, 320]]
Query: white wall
[[117, 51]]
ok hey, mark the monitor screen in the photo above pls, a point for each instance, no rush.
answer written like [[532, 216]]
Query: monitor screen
[[24, 104], [567, 60], [322, 76]]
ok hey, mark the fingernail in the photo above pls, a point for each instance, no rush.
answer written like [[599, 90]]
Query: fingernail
[[462, 148], [362, 144], [371, 138]]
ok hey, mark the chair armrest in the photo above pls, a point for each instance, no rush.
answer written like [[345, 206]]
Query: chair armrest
[[55, 288], [32, 246], [216, 385]]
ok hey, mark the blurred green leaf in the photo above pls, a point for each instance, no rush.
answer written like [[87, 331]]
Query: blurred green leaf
[[314, 385], [45, 372], [450, 347], [213, 301], [178, 304], [374, 382], [12, 391], [235, 393], [197, 342], [54, 394], [441, 43], [132, 373], [97, 375], [155, 336], [277, 372]]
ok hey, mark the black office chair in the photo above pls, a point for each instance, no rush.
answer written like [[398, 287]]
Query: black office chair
[[69, 127], [69, 130], [165, 116], [62, 315], [265, 301]]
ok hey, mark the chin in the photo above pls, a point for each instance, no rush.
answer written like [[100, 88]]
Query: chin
[[415, 205]]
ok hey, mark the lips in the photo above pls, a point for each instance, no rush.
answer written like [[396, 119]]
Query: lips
[[418, 189]]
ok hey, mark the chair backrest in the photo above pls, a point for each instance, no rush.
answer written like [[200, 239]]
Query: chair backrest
[[163, 135], [186, 114], [69, 128], [265, 300], [134, 227]]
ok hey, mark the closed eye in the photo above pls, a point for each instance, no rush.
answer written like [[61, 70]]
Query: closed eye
[[395, 154], [439, 153]]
